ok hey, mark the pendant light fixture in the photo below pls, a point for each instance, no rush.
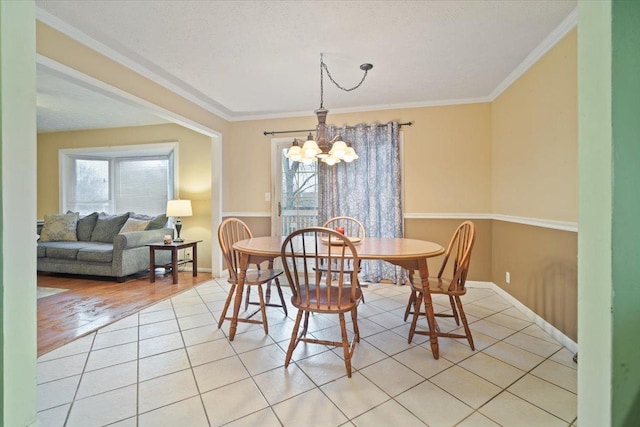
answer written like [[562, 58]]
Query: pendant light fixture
[[320, 148]]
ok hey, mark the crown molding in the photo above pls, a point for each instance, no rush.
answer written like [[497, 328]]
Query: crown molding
[[79, 78], [179, 87], [550, 41], [148, 71]]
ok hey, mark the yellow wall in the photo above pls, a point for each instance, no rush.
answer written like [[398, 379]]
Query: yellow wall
[[535, 139], [447, 157], [194, 171]]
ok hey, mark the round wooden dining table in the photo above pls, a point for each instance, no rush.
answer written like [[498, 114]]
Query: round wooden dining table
[[410, 254]]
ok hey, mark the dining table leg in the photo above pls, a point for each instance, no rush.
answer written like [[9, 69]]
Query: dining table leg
[[242, 275], [429, 313]]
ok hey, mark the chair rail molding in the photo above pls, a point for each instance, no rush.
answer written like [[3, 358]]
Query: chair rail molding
[[247, 214], [571, 226]]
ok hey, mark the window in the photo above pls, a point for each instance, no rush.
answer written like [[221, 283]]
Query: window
[[138, 179]]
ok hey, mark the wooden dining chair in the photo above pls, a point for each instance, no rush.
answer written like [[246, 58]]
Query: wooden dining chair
[[459, 253], [233, 230], [352, 228], [314, 292]]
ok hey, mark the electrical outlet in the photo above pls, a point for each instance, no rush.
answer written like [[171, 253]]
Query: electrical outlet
[[507, 277], [267, 197]]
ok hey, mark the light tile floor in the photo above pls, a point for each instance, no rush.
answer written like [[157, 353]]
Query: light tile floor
[[169, 365]]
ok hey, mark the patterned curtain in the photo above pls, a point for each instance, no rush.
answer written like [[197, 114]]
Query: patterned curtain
[[367, 189]]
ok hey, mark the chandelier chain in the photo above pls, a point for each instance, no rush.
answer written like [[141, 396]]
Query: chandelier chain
[[342, 87], [323, 67]]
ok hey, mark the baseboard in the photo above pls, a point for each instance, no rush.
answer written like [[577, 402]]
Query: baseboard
[[567, 342], [200, 270]]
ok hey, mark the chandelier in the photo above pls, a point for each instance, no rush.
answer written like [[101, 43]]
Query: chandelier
[[321, 148]]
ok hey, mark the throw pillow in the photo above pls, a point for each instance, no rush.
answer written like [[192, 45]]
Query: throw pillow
[[108, 227], [157, 222], [86, 224], [133, 224], [59, 227]]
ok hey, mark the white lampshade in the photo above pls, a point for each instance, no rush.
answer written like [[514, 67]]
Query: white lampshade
[[350, 155], [179, 208], [310, 148], [339, 149], [294, 153], [331, 160]]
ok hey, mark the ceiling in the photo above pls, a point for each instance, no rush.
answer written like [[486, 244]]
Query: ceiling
[[261, 59]]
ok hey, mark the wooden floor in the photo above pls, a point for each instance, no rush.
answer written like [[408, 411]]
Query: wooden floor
[[90, 304]]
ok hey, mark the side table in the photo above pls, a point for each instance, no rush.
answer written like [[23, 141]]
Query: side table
[[173, 247]]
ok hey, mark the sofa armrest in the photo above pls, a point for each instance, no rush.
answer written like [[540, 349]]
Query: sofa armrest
[[134, 239]]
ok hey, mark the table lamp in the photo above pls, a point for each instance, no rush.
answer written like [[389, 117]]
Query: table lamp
[[177, 209]]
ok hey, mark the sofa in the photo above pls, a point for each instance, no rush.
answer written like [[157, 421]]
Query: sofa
[[99, 244]]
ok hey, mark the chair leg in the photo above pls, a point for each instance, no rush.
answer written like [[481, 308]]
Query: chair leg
[[263, 311], [345, 344], [246, 298], [294, 339], [416, 313], [284, 305], [267, 293], [354, 320], [453, 308], [464, 323], [226, 305], [305, 327], [412, 302]]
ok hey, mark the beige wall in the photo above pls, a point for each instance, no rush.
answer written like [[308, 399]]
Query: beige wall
[[543, 268], [447, 157], [535, 139], [194, 171], [535, 175]]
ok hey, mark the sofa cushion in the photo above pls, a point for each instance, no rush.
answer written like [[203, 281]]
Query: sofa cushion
[[42, 251], [96, 252], [86, 224], [59, 227], [133, 224], [61, 250], [108, 227]]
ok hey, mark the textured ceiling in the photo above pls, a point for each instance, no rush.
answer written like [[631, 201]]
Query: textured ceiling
[[252, 59]]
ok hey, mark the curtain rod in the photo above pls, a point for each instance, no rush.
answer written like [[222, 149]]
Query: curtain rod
[[273, 132]]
